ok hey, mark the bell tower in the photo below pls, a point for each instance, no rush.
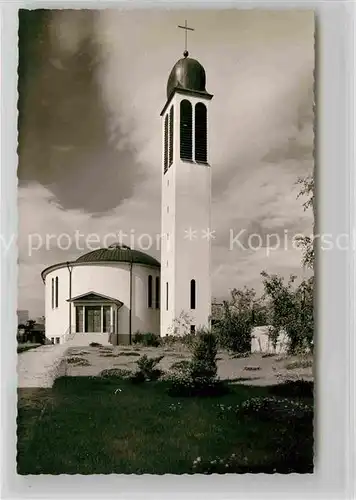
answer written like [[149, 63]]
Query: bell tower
[[186, 200]]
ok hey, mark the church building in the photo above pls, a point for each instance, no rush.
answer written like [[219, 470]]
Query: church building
[[109, 294]]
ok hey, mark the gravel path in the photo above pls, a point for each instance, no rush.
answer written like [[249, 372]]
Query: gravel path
[[40, 367]]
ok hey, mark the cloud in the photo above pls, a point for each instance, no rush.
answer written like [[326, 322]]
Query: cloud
[[90, 150], [48, 234]]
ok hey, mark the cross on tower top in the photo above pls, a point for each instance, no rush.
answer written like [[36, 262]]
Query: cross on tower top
[[186, 28]]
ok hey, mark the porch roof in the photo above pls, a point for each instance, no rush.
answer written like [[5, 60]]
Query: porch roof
[[90, 297]]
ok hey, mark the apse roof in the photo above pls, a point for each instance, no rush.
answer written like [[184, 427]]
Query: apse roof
[[113, 253], [119, 253]]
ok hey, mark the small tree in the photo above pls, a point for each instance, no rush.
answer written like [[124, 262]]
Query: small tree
[[30, 324], [291, 310], [306, 243], [238, 317], [147, 369], [203, 363], [180, 325], [199, 375]]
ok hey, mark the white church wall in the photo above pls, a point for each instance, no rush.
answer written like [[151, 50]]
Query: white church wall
[[144, 319], [110, 279], [106, 278], [57, 318]]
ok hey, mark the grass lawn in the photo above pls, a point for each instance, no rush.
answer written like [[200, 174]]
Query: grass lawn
[[86, 425]]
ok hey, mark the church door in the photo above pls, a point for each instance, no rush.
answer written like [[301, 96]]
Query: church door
[[93, 319]]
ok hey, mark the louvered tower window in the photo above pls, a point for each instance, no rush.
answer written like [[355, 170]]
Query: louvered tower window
[[200, 133], [186, 139], [165, 152], [171, 121]]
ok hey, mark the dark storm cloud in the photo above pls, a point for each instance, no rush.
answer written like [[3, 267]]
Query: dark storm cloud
[[64, 138]]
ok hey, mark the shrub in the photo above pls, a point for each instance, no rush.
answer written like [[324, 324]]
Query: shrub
[[185, 340], [299, 363], [219, 465], [276, 409], [147, 368], [197, 377], [235, 319], [294, 388], [293, 439], [182, 384], [95, 344], [137, 377], [291, 311], [170, 340], [147, 339], [294, 444], [116, 373], [183, 364], [205, 350], [300, 463], [76, 360], [129, 353], [291, 445], [234, 329]]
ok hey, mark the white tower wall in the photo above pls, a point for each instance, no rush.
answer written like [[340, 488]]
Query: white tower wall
[[185, 256]]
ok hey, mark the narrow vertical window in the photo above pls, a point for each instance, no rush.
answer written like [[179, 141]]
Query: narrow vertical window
[[192, 329], [150, 291], [171, 135], [165, 147], [158, 292], [200, 133], [192, 294], [79, 319], [52, 298], [186, 139], [167, 295], [56, 291]]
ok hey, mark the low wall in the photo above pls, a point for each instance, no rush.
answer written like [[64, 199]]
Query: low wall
[[85, 339], [261, 343]]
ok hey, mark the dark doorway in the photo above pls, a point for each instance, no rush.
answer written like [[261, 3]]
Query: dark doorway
[[93, 319]]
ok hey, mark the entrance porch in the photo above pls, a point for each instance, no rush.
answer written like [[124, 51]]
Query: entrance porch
[[95, 313]]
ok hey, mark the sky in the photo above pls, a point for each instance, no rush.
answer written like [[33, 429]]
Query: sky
[[91, 88]]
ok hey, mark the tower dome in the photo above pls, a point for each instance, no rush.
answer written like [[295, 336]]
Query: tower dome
[[188, 74]]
